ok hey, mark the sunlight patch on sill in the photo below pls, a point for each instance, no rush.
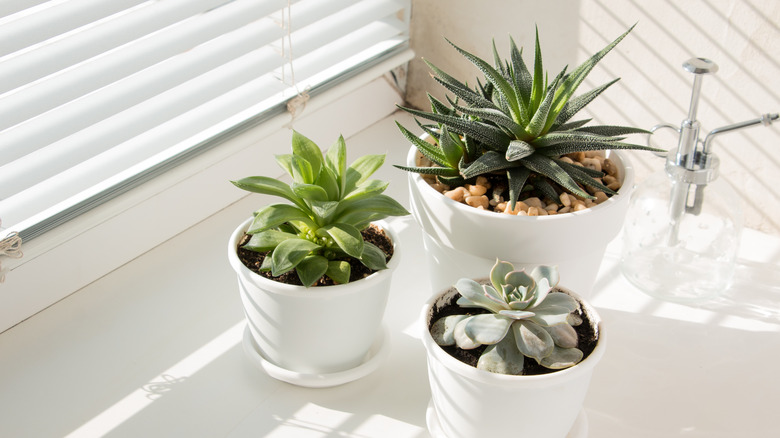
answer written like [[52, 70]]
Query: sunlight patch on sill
[[158, 386]]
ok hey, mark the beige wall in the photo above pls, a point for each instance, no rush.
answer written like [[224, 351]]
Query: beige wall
[[741, 36]]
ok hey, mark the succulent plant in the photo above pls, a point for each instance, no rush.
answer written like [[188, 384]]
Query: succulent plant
[[331, 204], [517, 124], [526, 319]]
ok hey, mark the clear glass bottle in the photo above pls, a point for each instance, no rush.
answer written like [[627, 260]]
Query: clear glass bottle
[[681, 239]]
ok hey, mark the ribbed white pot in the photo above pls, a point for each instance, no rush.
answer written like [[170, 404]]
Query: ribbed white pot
[[470, 402], [316, 330], [462, 241]]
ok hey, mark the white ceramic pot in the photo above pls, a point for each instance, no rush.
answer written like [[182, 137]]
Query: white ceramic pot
[[317, 330], [470, 402], [462, 241]]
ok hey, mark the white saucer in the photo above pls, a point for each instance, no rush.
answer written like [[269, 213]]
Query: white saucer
[[578, 430], [375, 356]]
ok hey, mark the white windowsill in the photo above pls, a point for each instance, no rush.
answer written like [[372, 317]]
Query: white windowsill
[[153, 349]]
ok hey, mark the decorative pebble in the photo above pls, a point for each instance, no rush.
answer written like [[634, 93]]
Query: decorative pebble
[[477, 201]]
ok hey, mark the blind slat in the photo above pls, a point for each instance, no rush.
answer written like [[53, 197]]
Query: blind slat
[[131, 58], [64, 52], [9, 7], [51, 22]]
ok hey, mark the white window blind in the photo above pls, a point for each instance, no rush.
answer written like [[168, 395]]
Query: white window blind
[[97, 96]]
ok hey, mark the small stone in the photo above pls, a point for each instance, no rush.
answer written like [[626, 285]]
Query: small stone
[[477, 201], [456, 195], [609, 167], [475, 190], [534, 202], [482, 181], [592, 163], [565, 200]]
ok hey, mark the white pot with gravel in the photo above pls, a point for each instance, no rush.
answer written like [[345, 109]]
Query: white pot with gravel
[[461, 240], [519, 132]]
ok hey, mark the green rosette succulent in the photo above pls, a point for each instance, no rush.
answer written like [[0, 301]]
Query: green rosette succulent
[[330, 204], [517, 124], [526, 319]]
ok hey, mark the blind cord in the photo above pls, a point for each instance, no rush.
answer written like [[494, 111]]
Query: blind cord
[[10, 246], [297, 104]]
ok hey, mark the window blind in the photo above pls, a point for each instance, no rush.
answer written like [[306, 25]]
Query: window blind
[[98, 96]]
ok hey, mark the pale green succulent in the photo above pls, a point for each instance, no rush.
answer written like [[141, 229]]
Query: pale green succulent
[[527, 319], [517, 125]]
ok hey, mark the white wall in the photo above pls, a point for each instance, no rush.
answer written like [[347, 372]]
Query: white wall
[[741, 36]]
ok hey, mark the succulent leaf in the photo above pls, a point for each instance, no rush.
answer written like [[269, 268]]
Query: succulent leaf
[[498, 273], [268, 186], [443, 330], [369, 188], [373, 257], [311, 268], [277, 214], [502, 358], [305, 149], [487, 329], [549, 168], [500, 83], [478, 296], [338, 271], [462, 340], [517, 314], [347, 237], [563, 335], [361, 169], [267, 240], [289, 253], [452, 151], [562, 358], [532, 340], [438, 171], [488, 162], [310, 192], [303, 172], [518, 149]]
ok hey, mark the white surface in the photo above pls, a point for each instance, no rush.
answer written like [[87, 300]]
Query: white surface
[[578, 430], [372, 360], [154, 349]]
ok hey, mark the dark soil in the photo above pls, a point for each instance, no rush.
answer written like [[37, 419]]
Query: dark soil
[[373, 234], [586, 338]]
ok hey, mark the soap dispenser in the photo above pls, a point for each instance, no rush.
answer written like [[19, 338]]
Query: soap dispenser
[[683, 225]]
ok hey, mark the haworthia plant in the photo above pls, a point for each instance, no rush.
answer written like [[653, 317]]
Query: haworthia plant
[[517, 123]]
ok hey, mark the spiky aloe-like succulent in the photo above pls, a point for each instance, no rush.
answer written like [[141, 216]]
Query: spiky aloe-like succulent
[[527, 319], [331, 204], [518, 124]]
